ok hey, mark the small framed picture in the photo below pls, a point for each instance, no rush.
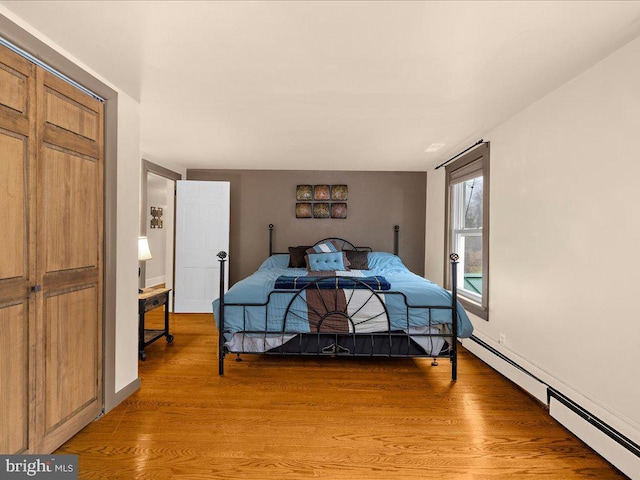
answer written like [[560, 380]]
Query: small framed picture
[[322, 192], [339, 192], [156, 217], [321, 210], [303, 210], [339, 210], [304, 193]]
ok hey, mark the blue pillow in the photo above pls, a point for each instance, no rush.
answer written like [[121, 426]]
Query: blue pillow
[[322, 262]]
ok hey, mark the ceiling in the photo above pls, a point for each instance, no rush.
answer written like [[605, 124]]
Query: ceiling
[[338, 85]]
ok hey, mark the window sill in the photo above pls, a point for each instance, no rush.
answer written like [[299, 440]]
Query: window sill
[[474, 307]]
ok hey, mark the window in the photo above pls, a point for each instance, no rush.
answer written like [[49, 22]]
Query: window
[[467, 229]]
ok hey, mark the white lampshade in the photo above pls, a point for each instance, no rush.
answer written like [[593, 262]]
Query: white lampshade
[[143, 249]]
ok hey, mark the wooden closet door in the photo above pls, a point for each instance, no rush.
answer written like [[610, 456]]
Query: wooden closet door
[[69, 260], [17, 132]]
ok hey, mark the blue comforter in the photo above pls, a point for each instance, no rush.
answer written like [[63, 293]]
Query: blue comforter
[[258, 289]]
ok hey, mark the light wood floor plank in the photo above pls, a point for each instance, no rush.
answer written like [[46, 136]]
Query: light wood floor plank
[[299, 418]]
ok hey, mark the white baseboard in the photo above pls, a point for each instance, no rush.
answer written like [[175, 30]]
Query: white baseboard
[[616, 448], [152, 282], [121, 395], [520, 377], [619, 456]]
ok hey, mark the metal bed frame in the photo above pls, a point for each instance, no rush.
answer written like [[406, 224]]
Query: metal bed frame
[[372, 344]]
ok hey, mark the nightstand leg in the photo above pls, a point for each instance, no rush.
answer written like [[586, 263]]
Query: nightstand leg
[[166, 317], [141, 353]]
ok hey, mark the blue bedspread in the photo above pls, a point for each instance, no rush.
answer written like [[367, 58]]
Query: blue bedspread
[[258, 289]]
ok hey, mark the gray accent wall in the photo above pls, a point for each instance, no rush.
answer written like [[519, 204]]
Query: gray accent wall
[[377, 201]]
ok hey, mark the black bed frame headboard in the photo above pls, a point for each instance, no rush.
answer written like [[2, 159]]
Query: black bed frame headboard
[[396, 233]]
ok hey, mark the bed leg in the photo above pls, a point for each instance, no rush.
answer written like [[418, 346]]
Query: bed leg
[[221, 365], [454, 369], [238, 359]]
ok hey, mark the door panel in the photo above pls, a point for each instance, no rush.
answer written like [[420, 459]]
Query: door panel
[[202, 230], [14, 372], [16, 92], [69, 252], [13, 205], [17, 162], [13, 89], [63, 112], [70, 213], [71, 354]]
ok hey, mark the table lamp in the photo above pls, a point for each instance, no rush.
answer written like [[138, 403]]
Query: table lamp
[[144, 253]]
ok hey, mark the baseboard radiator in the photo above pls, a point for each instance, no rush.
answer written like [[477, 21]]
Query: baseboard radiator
[[616, 448]]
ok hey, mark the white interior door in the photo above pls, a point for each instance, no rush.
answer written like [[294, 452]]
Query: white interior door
[[202, 230]]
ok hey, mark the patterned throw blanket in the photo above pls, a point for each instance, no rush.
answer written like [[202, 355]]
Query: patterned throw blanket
[[286, 282], [339, 304], [346, 311]]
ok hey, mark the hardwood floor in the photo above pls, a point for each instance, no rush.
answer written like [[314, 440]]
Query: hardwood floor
[[299, 418]]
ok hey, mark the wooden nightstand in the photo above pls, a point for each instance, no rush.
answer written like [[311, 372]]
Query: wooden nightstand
[[149, 299]]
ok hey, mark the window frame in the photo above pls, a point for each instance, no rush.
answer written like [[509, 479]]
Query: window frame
[[473, 163]]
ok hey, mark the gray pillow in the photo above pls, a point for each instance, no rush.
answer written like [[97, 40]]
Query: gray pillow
[[296, 256], [359, 259]]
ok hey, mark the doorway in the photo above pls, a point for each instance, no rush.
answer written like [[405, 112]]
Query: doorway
[[158, 225]]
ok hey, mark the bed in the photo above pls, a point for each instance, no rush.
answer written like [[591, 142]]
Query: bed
[[343, 301]]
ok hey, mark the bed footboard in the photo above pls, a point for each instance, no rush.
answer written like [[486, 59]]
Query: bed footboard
[[340, 316]]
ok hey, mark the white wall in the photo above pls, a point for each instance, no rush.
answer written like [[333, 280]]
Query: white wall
[[156, 268], [169, 224], [565, 228], [128, 220]]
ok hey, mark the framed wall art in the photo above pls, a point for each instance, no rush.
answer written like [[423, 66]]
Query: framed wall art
[[156, 217], [304, 210], [304, 193], [321, 201], [339, 192], [321, 210], [321, 192], [339, 210]]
